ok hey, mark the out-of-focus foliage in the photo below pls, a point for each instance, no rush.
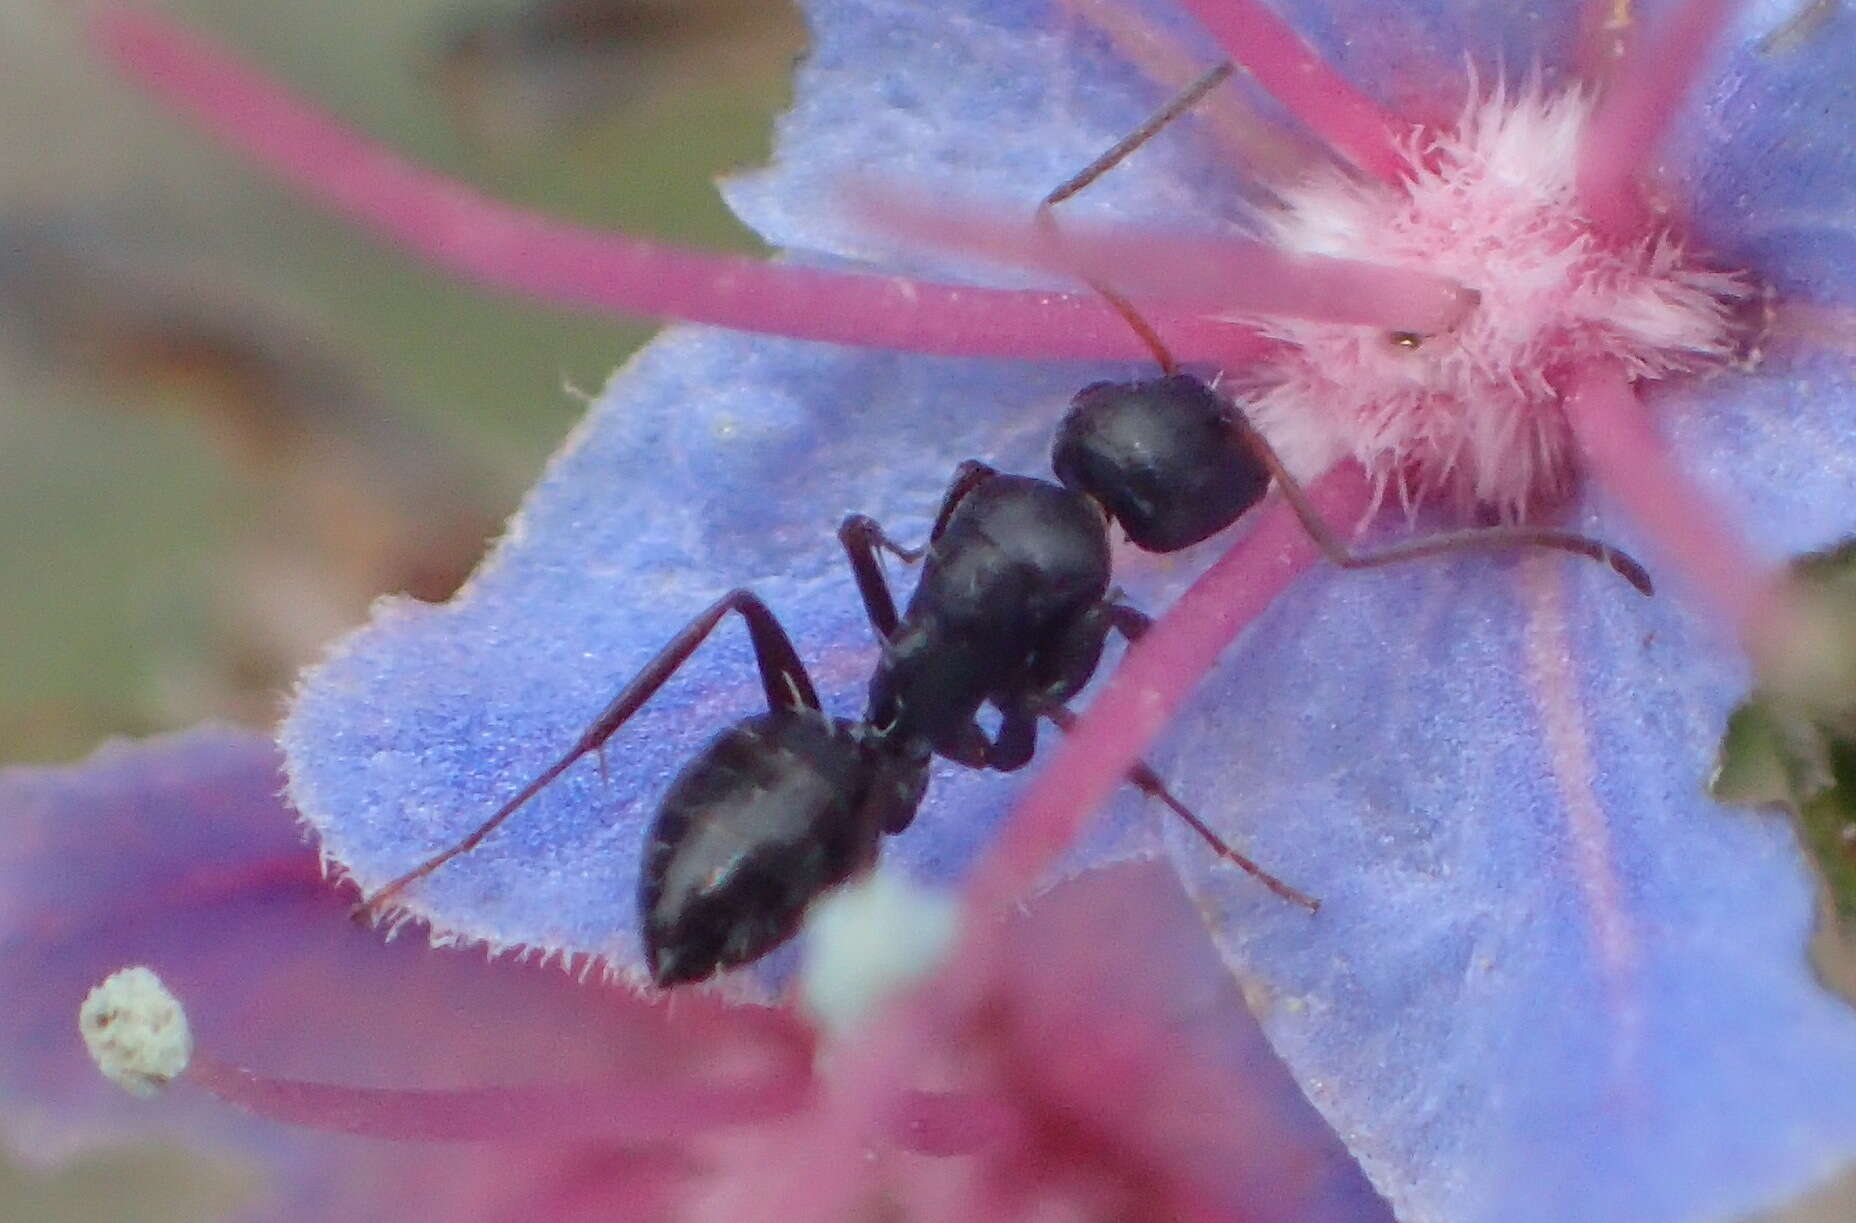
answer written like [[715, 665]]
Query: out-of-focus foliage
[[229, 427], [1793, 745]]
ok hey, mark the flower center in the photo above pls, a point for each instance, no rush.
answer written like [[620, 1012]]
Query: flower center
[[1473, 414]]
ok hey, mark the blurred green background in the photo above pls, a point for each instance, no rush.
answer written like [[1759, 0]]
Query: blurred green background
[[228, 423]]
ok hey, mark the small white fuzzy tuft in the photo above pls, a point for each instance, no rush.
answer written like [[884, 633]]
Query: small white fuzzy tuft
[[136, 1031], [1474, 414], [868, 939]]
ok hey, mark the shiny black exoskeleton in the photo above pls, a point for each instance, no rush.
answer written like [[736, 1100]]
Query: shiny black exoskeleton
[[1013, 607], [776, 810], [1161, 457]]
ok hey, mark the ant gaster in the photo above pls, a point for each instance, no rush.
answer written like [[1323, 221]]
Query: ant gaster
[[1014, 608]]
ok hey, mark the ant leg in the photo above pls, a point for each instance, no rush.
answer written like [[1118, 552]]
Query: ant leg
[[968, 476], [1015, 744], [1144, 779], [782, 676], [1131, 622], [1626, 565], [861, 536]]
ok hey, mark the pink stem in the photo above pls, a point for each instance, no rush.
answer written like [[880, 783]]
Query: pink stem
[[511, 249], [953, 1123], [1150, 686], [1633, 465], [1646, 91], [622, 1111], [1229, 275], [1351, 123], [1604, 32]]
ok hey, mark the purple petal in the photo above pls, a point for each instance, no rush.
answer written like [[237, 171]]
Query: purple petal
[[1126, 1020], [178, 854]]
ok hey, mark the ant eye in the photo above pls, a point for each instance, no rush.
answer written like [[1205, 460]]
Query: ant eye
[[1405, 339]]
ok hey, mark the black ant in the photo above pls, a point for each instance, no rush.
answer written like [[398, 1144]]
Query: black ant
[[1014, 608]]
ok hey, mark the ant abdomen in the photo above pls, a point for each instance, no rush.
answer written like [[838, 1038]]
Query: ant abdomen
[[776, 810], [1160, 456]]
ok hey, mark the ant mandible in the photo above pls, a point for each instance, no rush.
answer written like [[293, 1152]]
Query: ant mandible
[[1013, 608]]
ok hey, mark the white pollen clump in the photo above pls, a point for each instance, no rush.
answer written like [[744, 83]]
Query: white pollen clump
[[1474, 413], [867, 940], [136, 1031]]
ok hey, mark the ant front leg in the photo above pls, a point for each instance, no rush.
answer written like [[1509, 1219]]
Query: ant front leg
[[782, 675], [862, 536]]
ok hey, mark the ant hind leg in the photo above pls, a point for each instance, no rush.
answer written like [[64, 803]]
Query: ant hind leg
[[783, 678]]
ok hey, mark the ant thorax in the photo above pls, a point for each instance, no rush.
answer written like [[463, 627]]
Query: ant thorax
[[1473, 415]]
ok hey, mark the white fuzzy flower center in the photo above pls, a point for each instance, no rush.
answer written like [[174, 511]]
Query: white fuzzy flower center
[[1474, 414]]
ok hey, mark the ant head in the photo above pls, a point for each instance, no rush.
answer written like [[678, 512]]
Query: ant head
[[1160, 457]]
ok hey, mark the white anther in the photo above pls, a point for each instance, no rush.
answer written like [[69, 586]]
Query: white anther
[[869, 939], [136, 1031]]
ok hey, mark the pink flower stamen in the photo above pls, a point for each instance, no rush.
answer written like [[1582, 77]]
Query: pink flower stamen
[[1645, 94], [619, 1111], [1622, 452], [772, 1078], [451, 225], [1352, 124], [1150, 686], [1230, 275]]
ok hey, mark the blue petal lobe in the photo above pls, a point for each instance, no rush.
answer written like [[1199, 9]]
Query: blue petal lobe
[[1550, 979]]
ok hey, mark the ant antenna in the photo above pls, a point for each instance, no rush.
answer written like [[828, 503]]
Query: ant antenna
[[1477, 538], [1118, 152], [1318, 530]]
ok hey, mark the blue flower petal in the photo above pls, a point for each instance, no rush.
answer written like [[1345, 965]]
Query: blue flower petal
[[1003, 100], [1765, 162], [1550, 979]]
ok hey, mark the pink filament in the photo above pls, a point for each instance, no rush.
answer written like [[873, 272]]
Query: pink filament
[[620, 1111], [1352, 124], [512, 249], [1626, 457], [1230, 275], [1150, 686], [1644, 97]]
